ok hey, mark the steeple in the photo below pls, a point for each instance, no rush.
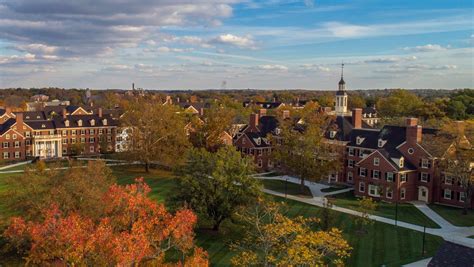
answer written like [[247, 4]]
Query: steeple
[[342, 83]]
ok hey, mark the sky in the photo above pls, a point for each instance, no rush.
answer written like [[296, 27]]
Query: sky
[[234, 44]]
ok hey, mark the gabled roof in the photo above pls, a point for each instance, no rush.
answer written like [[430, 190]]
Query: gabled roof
[[267, 124], [41, 125], [6, 125], [86, 121]]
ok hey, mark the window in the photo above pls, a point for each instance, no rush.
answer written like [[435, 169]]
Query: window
[[73, 132], [91, 139], [83, 140], [109, 139], [270, 163], [411, 151], [17, 154], [73, 140], [79, 123], [403, 177], [65, 141], [5, 144], [389, 193], [424, 177], [351, 151], [109, 131], [14, 136], [376, 161], [104, 121], [350, 163], [91, 131], [401, 162], [425, 163], [389, 176], [362, 172], [83, 132], [259, 163], [447, 194], [17, 144], [361, 187], [91, 149], [7, 136], [350, 176], [64, 132], [359, 140], [51, 132], [92, 122], [101, 131], [27, 142], [402, 193], [243, 141], [27, 134], [376, 174], [66, 123], [381, 143], [6, 155], [462, 196], [374, 190], [448, 180], [64, 151]]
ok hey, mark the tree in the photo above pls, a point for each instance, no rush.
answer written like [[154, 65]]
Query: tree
[[216, 184], [399, 103], [208, 134], [157, 133], [133, 229], [356, 101], [301, 151], [272, 239], [77, 189], [366, 206], [458, 160]]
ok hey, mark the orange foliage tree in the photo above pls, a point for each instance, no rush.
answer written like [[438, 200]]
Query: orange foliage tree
[[133, 229]]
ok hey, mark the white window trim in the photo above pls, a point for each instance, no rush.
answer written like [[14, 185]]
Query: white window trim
[[376, 161], [377, 193], [446, 191], [362, 184], [424, 174], [403, 193]]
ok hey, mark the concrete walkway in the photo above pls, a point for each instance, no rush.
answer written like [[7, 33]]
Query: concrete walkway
[[458, 235], [422, 263], [67, 167], [15, 164]]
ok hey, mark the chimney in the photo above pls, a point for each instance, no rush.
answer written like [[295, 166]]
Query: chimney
[[133, 86], [8, 110], [285, 114], [100, 112], [262, 112], [414, 131], [19, 121], [357, 118], [253, 120], [64, 113]]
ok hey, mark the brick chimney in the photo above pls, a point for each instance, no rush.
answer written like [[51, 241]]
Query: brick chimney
[[253, 122], [19, 121], [100, 112], [285, 114], [414, 131], [357, 118], [262, 112], [64, 113], [8, 110]]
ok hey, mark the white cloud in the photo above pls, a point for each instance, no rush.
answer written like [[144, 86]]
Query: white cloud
[[314, 67], [234, 40], [272, 67], [426, 48]]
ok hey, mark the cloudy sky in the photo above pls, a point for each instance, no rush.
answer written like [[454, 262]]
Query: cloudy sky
[[273, 44]]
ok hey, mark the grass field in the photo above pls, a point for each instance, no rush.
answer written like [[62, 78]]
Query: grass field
[[454, 215], [406, 212], [289, 188], [383, 244]]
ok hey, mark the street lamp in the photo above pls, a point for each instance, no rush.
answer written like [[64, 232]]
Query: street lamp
[[286, 186]]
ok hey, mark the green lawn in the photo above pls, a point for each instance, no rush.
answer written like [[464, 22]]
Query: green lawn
[[383, 243], [289, 188], [406, 212], [454, 215]]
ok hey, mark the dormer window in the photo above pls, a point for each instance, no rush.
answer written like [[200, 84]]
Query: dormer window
[[381, 142], [359, 140], [92, 122], [43, 126], [79, 123], [332, 134], [38, 117], [278, 131], [66, 122], [104, 121], [258, 141], [401, 162]]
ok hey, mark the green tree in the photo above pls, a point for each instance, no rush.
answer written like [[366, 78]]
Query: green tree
[[216, 184], [399, 103], [157, 133], [301, 151], [366, 206], [356, 101]]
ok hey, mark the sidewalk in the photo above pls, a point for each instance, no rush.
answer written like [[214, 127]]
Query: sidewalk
[[458, 235]]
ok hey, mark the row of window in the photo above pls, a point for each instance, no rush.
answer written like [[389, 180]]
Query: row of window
[[15, 144], [375, 191], [16, 155], [79, 122], [83, 140], [450, 194], [84, 131]]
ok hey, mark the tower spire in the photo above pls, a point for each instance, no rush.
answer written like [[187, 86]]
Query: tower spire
[[342, 70]]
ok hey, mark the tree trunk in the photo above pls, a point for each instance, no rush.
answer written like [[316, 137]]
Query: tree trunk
[[147, 167], [302, 186]]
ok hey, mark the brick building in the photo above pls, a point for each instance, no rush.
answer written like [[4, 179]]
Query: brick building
[[56, 132]]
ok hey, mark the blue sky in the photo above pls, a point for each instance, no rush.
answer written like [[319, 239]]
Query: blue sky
[[199, 44]]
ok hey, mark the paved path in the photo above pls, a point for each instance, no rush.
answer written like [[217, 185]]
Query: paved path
[[458, 235], [422, 263], [15, 164], [64, 168]]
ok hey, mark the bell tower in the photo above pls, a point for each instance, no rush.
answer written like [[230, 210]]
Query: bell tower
[[341, 95]]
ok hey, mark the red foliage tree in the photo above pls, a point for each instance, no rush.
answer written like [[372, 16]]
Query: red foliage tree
[[134, 229]]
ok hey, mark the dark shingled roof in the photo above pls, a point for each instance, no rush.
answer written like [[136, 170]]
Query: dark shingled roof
[[39, 125], [450, 254], [2, 111], [86, 121], [369, 110], [267, 124], [6, 125]]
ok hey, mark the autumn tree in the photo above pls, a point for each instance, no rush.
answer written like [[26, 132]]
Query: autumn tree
[[399, 103], [215, 121], [157, 133], [301, 150], [132, 229], [458, 160], [272, 239], [76, 189], [366, 206], [216, 184]]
